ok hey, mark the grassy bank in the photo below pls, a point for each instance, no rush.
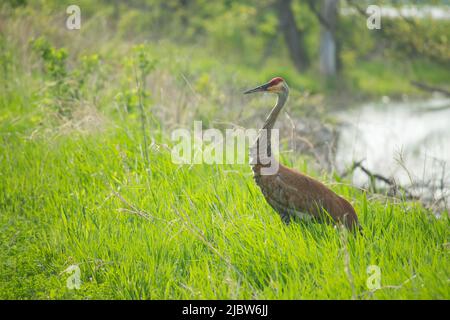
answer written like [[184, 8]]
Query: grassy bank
[[76, 188], [200, 232]]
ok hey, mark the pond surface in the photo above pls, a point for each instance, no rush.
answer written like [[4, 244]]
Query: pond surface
[[409, 141], [409, 11]]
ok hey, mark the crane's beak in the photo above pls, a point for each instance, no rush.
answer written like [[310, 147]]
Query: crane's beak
[[264, 87]]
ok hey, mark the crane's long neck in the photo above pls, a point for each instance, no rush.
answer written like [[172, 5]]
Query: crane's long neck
[[273, 115], [264, 137]]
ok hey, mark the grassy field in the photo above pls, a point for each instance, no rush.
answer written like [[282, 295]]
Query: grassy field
[[165, 231], [76, 188]]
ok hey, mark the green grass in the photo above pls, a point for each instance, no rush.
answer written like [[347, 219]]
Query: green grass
[[209, 233]]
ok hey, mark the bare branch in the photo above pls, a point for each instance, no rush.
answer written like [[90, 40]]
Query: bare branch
[[429, 88]]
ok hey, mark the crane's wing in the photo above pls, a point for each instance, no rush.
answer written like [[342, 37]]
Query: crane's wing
[[291, 193]]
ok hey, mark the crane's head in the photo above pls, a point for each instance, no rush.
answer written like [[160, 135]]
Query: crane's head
[[276, 85]]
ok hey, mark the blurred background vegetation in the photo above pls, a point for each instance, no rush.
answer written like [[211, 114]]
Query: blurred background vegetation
[[253, 39]]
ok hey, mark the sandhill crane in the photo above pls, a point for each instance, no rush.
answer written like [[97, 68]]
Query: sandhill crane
[[291, 193]]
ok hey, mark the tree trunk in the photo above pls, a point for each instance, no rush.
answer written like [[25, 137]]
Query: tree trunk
[[328, 43], [293, 36]]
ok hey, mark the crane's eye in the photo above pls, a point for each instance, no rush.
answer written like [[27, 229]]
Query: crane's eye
[[275, 87]]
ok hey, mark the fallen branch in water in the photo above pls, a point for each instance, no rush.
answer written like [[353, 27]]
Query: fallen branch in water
[[434, 203], [394, 188], [429, 88]]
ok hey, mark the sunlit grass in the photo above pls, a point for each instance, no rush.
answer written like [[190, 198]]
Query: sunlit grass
[[191, 232]]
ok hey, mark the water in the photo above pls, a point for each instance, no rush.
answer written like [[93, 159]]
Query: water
[[417, 12], [409, 141]]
